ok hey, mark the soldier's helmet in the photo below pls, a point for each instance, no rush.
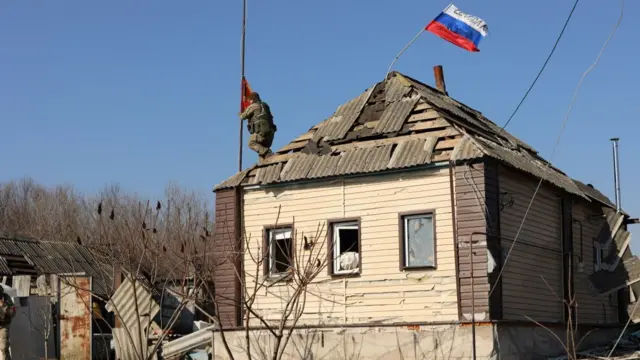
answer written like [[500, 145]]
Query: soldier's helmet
[[254, 96]]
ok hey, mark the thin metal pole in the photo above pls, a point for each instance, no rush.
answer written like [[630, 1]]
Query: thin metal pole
[[473, 302], [242, 88], [616, 173], [402, 51]]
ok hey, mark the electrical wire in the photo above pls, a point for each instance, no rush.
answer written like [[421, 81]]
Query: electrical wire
[[555, 147], [542, 69]]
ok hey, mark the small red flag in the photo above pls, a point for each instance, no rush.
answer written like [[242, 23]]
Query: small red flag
[[246, 90]]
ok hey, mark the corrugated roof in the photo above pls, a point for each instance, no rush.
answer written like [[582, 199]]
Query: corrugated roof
[[384, 119], [412, 152], [53, 258], [395, 114], [338, 125], [396, 88]]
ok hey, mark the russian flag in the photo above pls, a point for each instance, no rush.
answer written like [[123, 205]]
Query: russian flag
[[459, 28]]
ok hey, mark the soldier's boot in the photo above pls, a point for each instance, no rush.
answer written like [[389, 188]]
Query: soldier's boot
[[262, 157]]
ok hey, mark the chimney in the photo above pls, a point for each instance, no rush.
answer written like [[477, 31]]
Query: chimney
[[616, 173], [438, 73]]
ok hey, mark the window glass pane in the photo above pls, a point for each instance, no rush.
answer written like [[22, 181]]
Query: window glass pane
[[419, 237]]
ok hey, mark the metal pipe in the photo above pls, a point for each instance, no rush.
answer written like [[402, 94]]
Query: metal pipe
[[616, 173], [244, 28], [473, 294]]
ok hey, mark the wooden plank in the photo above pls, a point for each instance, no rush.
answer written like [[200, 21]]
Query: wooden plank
[[429, 124], [276, 159], [447, 144], [393, 140], [422, 105], [305, 136], [426, 115], [293, 146]]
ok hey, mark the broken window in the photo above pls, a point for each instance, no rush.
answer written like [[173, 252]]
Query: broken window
[[418, 245], [346, 248], [280, 245], [598, 255]]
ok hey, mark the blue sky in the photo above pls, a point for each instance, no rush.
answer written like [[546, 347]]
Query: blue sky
[[146, 92]]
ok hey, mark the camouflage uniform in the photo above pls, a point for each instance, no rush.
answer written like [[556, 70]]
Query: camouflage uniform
[[261, 127], [7, 312]]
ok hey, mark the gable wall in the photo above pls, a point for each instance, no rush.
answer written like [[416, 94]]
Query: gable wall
[[382, 292], [592, 307], [532, 277]]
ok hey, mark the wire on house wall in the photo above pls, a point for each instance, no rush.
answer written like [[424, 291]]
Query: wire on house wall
[[555, 147]]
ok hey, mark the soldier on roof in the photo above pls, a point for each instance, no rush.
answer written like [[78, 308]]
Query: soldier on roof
[[261, 126]]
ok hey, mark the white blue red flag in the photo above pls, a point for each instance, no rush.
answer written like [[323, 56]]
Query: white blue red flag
[[459, 28]]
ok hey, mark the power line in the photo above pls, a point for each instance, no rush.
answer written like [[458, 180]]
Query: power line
[[542, 69], [555, 147]]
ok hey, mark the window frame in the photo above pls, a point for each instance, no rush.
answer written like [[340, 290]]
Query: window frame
[[267, 249], [332, 246], [403, 240]]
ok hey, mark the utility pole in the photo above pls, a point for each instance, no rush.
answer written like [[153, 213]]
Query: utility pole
[[242, 87]]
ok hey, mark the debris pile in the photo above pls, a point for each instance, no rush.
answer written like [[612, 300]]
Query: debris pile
[[627, 348]]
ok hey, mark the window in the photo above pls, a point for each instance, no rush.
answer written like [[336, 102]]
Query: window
[[417, 243], [345, 243], [598, 255], [280, 250]]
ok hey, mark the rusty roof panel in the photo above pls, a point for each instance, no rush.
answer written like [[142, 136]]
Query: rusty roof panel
[[298, 167], [267, 174], [353, 161], [324, 166], [395, 114], [378, 158], [395, 89]]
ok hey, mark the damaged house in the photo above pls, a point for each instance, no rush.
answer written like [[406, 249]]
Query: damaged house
[[421, 199]]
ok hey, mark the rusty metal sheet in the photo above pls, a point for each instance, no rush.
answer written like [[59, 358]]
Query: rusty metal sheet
[[324, 166], [353, 161], [378, 158], [395, 89], [267, 174], [298, 167], [395, 114], [412, 153], [74, 316], [338, 125]]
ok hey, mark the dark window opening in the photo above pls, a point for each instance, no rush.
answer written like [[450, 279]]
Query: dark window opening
[[346, 248], [280, 251]]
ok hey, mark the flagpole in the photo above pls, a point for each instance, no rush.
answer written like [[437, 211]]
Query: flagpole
[[402, 51], [244, 27]]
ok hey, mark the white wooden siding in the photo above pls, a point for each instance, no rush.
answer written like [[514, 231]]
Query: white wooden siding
[[525, 293], [382, 292]]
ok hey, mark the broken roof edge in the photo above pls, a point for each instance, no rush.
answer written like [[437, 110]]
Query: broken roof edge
[[331, 178]]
